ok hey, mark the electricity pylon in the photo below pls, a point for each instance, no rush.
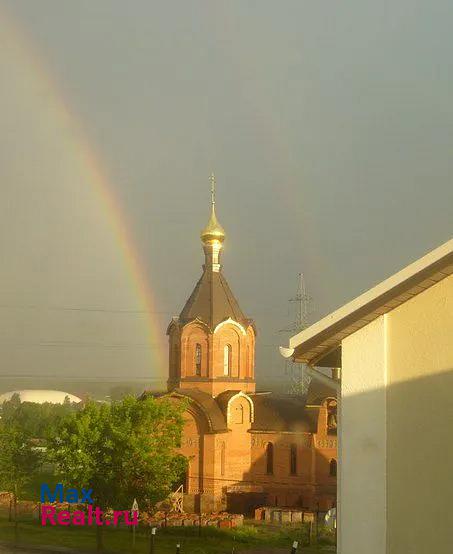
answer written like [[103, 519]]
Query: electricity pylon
[[299, 378]]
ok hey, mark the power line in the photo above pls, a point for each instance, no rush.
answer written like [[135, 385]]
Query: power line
[[79, 378], [74, 344], [79, 309]]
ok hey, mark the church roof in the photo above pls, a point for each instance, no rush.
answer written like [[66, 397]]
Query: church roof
[[208, 406], [318, 392], [212, 302], [204, 402], [283, 412], [272, 412], [223, 398]]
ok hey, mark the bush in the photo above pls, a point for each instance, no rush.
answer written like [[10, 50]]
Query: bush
[[326, 536]]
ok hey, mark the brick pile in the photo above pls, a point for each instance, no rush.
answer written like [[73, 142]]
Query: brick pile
[[274, 514], [220, 519]]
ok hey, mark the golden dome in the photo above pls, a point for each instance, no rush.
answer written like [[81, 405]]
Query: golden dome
[[213, 230]]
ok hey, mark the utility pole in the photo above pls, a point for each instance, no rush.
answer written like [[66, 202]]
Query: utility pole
[[152, 540]]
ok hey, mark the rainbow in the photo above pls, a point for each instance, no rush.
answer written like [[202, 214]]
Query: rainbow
[[93, 173]]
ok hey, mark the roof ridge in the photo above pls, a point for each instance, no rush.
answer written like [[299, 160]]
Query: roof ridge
[[212, 301], [229, 294]]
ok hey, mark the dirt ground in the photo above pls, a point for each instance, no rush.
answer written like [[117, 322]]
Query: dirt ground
[[265, 551], [304, 550]]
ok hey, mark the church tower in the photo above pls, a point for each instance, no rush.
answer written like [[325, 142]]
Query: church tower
[[212, 342]]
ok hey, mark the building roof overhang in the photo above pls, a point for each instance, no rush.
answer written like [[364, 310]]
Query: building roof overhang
[[320, 344]]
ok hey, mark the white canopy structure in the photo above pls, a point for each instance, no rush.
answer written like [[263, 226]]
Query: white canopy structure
[[40, 396]]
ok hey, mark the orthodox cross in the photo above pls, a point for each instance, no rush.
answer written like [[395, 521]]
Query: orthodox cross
[[212, 179]]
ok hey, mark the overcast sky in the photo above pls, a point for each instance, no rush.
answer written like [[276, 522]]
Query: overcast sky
[[329, 126]]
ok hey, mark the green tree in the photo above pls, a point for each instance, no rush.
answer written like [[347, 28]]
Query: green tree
[[118, 392], [122, 451], [19, 460], [35, 419]]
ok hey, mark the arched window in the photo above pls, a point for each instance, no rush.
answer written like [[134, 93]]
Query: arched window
[[198, 359], [333, 468], [239, 414], [222, 459], [293, 459], [227, 350], [269, 458]]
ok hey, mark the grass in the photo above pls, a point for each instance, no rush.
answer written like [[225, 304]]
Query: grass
[[119, 540]]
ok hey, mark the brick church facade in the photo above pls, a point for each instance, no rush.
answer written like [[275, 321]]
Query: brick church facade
[[245, 448]]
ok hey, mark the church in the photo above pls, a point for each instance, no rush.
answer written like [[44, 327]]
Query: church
[[245, 448]]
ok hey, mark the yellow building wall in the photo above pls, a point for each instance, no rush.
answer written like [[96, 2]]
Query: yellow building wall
[[420, 423], [362, 443]]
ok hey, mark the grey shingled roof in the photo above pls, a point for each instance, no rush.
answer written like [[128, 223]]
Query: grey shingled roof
[[318, 392], [282, 412], [204, 401], [212, 302]]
